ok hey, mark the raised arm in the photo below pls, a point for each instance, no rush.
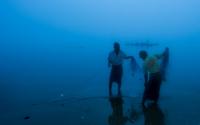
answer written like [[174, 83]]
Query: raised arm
[[128, 57], [164, 54]]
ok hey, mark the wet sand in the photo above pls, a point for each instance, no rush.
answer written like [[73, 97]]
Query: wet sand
[[104, 110]]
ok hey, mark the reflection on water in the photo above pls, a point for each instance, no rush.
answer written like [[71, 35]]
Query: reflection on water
[[117, 117], [154, 116]]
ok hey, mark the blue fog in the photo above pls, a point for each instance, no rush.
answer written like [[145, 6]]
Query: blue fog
[[57, 50]]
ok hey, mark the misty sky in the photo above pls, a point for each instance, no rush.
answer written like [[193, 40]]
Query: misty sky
[[100, 18]]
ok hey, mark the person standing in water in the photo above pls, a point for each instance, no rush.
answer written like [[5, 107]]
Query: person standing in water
[[152, 77], [115, 60]]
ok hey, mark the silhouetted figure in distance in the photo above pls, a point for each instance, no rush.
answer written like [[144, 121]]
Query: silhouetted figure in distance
[[115, 60]]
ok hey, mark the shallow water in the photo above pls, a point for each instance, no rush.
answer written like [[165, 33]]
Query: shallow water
[[59, 102], [103, 111]]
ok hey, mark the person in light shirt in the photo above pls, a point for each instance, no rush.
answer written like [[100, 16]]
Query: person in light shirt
[[152, 77], [115, 60]]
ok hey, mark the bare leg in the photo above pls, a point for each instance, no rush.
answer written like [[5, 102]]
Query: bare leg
[[119, 88]]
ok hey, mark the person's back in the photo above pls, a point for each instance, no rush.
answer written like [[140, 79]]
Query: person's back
[[151, 64], [152, 77]]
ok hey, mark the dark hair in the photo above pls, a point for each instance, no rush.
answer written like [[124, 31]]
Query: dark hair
[[143, 53], [116, 43]]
